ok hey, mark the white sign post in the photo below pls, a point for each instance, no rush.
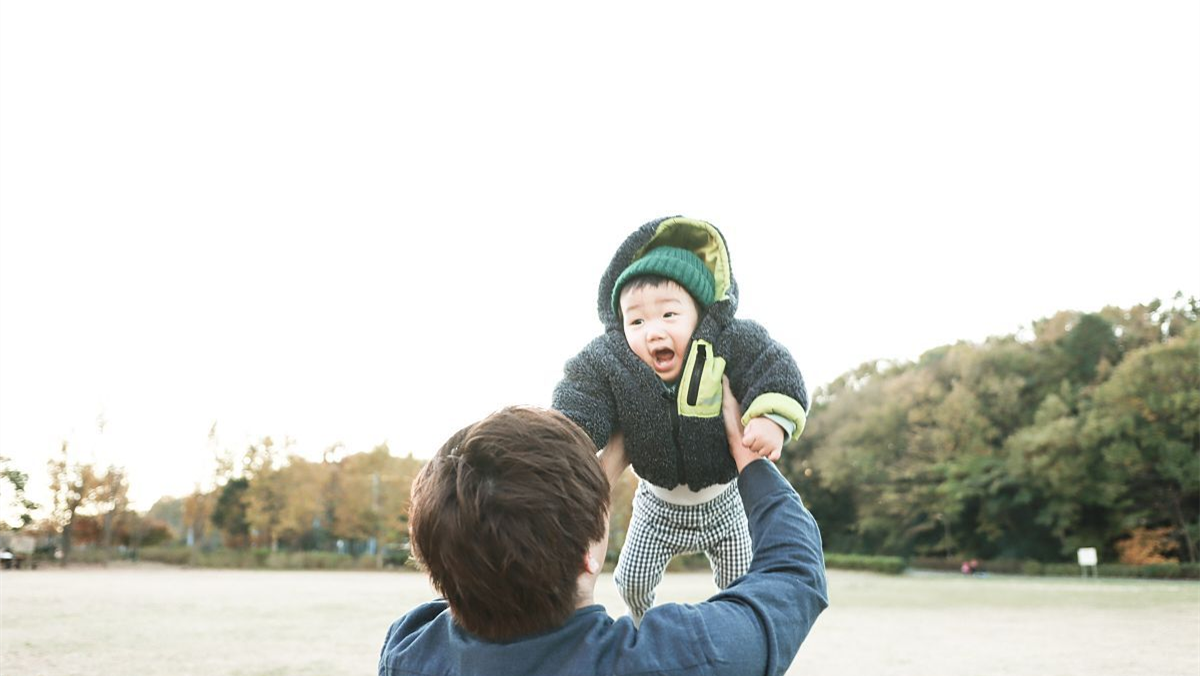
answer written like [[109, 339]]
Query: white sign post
[[1087, 559]]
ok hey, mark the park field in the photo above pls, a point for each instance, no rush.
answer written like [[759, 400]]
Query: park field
[[153, 620]]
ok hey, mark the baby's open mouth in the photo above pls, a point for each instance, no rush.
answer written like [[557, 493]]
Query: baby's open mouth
[[663, 357]]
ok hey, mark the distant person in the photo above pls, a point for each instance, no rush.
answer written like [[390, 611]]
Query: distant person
[[510, 519], [667, 303]]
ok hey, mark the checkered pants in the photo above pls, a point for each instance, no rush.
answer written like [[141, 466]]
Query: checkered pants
[[659, 530]]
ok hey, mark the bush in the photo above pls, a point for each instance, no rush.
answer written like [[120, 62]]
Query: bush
[[1172, 570], [319, 561], [890, 565], [1005, 566], [94, 554], [935, 563], [395, 556], [89, 555], [256, 558], [1059, 569], [176, 556]]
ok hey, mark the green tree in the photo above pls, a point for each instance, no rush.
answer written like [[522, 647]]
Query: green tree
[[1056, 482], [229, 512], [1146, 421], [1021, 447], [1089, 348]]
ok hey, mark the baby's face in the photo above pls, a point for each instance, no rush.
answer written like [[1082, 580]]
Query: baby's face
[[659, 322]]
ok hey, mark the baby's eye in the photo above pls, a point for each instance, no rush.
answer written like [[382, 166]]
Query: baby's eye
[[668, 315], [635, 322]]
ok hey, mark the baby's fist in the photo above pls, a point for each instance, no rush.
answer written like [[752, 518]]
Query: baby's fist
[[765, 437]]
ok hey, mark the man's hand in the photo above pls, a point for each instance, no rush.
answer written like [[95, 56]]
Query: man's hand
[[764, 437], [613, 459], [731, 413]]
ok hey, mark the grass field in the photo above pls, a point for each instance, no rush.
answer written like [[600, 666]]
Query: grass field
[[155, 620]]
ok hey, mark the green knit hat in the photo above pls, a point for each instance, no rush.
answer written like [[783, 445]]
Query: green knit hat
[[680, 265]]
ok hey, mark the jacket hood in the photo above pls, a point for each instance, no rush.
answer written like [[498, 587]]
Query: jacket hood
[[700, 237]]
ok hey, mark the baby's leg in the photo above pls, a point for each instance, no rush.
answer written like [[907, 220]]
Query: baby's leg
[[728, 546], [644, 556]]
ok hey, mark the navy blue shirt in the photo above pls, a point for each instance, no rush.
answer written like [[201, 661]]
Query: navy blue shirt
[[755, 626]]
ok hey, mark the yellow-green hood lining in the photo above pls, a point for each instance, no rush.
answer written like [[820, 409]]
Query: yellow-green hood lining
[[702, 239]]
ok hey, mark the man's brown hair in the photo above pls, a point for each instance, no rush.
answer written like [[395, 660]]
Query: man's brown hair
[[501, 518]]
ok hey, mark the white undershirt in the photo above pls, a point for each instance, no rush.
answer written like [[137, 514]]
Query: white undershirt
[[682, 495]]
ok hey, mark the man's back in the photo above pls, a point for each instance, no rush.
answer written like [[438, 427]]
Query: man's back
[[780, 598]]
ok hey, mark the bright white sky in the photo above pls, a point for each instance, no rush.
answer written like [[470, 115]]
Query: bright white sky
[[375, 221]]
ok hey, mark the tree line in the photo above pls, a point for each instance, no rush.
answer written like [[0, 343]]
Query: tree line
[[1085, 432], [1082, 432], [261, 497], [272, 499], [89, 506]]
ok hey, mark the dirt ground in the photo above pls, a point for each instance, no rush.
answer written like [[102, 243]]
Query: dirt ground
[[155, 620]]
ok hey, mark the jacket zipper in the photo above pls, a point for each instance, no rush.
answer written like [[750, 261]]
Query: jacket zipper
[[697, 371]]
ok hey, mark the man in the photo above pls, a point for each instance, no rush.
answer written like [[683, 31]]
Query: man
[[510, 519]]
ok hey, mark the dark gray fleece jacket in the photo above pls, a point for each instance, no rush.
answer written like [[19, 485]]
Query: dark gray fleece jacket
[[674, 438]]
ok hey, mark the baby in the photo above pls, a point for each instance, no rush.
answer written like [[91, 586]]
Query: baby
[[667, 303]]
